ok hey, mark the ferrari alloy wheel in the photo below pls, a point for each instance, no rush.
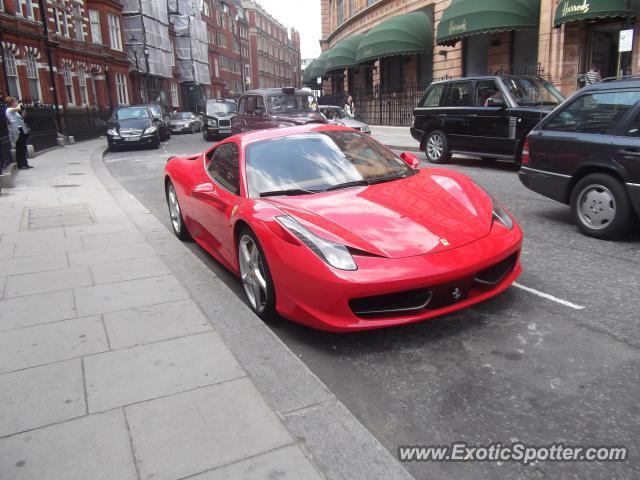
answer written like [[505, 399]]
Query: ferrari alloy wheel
[[177, 222], [436, 147], [255, 276], [600, 206]]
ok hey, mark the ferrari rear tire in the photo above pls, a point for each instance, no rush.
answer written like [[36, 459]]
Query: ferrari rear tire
[[256, 276], [175, 213]]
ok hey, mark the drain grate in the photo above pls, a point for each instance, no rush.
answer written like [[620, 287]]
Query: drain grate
[[75, 173], [66, 216], [67, 185]]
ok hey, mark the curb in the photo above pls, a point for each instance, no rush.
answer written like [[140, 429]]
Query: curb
[[405, 148], [333, 439]]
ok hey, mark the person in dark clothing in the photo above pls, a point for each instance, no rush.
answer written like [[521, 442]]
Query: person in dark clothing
[[18, 131]]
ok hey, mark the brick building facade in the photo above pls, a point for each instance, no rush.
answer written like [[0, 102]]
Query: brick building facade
[[559, 47]]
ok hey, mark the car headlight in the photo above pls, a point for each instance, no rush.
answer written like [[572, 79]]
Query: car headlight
[[501, 215], [149, 130], [212, 122], [113, 132], [334, 254]]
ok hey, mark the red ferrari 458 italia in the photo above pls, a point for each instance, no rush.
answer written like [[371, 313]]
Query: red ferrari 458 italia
[[329, 228]]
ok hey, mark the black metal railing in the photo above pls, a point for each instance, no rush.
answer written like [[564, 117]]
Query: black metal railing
[[85, 123], [42, 125]]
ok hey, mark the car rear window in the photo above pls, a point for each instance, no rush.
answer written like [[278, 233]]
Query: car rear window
[[598, 113]]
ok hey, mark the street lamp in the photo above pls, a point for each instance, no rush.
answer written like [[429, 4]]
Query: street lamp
[[134, 40]]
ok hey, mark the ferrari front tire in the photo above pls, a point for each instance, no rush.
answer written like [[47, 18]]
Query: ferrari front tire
[[175, 213], [255, 276]]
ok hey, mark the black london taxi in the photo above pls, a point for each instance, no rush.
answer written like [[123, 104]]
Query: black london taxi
[[486, 116]]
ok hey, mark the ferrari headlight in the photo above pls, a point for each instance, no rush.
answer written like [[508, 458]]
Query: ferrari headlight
[[212, 122], [501, 215], [150, 130], [334, 254], [113, 132]]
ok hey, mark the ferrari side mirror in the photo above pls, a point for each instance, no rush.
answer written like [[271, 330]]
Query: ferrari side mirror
[[411, 160]]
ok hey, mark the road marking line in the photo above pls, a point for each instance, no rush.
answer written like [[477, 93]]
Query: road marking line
[[549, 297]]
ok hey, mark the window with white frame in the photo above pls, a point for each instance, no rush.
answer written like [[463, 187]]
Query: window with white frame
[[94, 21], [12, 73], [27, 11], [62, 27], [94, 88], [174, 95], [68, 84], [32, 76], [1, 6], [114, 32], [77, 22], [82, 83], [173, 54], [205, 7], [121, 89]]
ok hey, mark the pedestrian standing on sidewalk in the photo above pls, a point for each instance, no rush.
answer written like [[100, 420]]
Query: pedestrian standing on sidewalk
[[350, 107], [593, 75], [18, 131]]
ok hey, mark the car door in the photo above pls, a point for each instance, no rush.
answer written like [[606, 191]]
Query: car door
[[239, 121], [458, 99], [213, 200], [626, 145], [489, 120]]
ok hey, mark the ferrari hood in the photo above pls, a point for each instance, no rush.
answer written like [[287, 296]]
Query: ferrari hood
[[299, 118], [425, 213]]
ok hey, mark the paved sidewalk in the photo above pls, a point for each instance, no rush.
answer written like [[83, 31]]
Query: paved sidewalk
[[396, 138], [123, 357]]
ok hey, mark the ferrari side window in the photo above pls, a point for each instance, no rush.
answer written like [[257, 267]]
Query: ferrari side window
[[224, 167]]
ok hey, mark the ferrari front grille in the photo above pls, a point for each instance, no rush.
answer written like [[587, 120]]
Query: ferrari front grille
[[495, 274], [395, 303]]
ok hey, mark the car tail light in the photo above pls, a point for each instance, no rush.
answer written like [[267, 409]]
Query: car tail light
[[525, 152]]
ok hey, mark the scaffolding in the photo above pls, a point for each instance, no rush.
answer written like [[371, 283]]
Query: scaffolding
[[191, 48]]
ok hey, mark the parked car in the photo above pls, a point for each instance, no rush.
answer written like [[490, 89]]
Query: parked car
[[185, 122], [161, 113], [218, 115], [338, 116], [329, 228], [131, 126], [481, 116], [587, 155], [273, 108]]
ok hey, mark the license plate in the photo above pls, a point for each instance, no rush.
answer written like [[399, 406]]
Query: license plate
[[225, 130], [131, 139]]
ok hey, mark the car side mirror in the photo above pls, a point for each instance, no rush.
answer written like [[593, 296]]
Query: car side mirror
[[496, 102], [411, 160], [259, 111]]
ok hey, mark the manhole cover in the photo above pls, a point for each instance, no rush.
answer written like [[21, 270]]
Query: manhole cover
[[75, 173], [66, 216], [73, 163], [68, 185]]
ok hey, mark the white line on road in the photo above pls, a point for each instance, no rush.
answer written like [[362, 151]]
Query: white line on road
[[549, 297]]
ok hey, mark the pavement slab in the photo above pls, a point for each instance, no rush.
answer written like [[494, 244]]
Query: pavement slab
[[51, 342], [112, 297], [195, 431], [36, 309], [137, 374], [126, 237], [34, 264], [61, 396], [95, 447], [138, 326], [109, 254], [128, 270], [32, 245], [51, 281]]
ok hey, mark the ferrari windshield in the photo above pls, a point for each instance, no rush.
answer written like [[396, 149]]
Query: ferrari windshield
[[529, 91], [319, 161], [221, 108]]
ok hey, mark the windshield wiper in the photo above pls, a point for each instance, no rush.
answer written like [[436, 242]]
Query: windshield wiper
[[389, 178], [355, 183], [289, 192]]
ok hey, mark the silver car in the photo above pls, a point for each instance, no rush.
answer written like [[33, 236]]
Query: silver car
[[338, 116], [185, 122]]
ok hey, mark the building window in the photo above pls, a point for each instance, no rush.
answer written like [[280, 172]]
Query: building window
[[221, 39], [94, 20], [82, 82], [121, 89], [1, 6], [115, 36], [12, 73], [174, 95], [32, 76], [340, 6], [62, 28], [68, 84], [236, 46], [205, 7], [28, 8], [173, 54], [77, 22], [94, 88]]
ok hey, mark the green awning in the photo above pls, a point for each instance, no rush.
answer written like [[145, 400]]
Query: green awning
[[464, 18], [572, 10], [343, 54], [399, 35], [317, 69], [306, 74]]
